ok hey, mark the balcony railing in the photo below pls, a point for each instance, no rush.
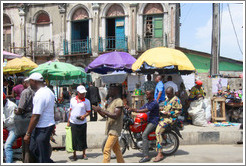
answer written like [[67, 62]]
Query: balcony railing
[[145, 43], [42, 48], [77, 47], [113, 44]]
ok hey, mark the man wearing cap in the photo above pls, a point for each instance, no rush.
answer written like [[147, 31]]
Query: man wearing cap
[[80, 108], [25, 108], [8, 123], [114, 124], [42, 122]]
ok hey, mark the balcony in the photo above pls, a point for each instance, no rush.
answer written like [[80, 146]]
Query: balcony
[[145, 43], [77, 47], [41, 48], [113, 44]]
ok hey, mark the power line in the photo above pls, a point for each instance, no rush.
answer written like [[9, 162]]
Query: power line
[[187, 13], [234, 29]]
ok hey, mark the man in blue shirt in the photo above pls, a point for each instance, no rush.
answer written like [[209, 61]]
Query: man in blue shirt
[[152, 109], [159, 91]]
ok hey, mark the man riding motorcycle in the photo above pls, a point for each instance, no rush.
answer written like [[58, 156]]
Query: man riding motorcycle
[[171, 110], [152, 107]]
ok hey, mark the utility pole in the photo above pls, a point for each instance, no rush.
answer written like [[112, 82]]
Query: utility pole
[[214, 63]]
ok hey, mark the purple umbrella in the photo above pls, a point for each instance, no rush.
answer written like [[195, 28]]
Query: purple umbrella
[[10, 55], [113, 61]]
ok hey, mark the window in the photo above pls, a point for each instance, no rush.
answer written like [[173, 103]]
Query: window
[[6, 32], [43, 18], [153, 23]]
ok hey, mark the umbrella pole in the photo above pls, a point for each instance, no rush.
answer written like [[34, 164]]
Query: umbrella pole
[[56, 91]]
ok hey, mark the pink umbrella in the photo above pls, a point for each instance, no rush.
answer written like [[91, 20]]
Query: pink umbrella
[[9, 55]]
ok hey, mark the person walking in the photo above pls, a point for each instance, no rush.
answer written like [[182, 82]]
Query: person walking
[[42, 122], [25, 108], [172, 109], [152, 108], [80, 108], [95, 99], [8, 123], [114, 124], [159, 91]]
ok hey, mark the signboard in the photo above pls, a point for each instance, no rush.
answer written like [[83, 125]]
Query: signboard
[[120, 24]]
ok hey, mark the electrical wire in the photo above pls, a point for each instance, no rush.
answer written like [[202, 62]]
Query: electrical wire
[[234, 29], [187, 13]]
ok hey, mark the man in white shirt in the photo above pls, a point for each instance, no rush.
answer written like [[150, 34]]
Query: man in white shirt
[[8, 120], [172, 84], [42, 122]]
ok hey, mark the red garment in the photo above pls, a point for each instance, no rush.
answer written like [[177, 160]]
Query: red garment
[[199, 82], [4, 96], [78, 100]]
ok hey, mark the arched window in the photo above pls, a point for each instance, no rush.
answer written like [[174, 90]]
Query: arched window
[[6, 32], [153, 8], [43, 18], [80, 31], [6, 20], [153, 21], [115, 10], [80, 14]]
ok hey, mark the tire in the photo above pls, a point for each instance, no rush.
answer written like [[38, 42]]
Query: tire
[[123, 146], [170, 143]]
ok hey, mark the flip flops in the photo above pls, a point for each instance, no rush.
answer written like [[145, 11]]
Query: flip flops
[[85, 157], [158, 160]]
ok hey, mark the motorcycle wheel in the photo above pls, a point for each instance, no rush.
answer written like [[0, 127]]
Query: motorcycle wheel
[[122, 143], [170, 143]]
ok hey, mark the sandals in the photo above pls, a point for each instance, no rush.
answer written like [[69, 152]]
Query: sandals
[[158, 160], [85, 157]]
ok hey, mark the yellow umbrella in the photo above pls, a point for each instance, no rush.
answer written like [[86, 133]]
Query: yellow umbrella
[[161, 57], [18, 65]]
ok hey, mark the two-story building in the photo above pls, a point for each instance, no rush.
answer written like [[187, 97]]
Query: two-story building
[[79, 32]]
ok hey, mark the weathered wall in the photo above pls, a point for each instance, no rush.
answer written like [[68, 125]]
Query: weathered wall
[[234, 83]]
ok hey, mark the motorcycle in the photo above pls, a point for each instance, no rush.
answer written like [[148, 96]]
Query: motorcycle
[[131, 135]]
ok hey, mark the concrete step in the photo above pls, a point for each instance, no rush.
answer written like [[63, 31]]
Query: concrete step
[[192, 135]]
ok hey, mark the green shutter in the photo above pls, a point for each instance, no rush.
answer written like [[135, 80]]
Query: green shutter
[[158, 26]]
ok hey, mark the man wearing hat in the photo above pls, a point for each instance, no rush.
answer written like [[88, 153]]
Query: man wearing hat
[[80, 108], [8, 120], [42, 122], [114, 124]]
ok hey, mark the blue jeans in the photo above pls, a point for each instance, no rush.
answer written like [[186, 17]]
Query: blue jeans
[[8, 146]]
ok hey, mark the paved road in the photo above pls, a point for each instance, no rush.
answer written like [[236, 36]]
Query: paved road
[[185, 154]]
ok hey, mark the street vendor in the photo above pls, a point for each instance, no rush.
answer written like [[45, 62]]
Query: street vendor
[[197, 91]]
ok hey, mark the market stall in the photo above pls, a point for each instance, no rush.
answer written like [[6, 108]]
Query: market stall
[[60, 74], [166, 61]]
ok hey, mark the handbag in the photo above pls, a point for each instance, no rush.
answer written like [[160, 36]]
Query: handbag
[[69, 143], [21, 123]]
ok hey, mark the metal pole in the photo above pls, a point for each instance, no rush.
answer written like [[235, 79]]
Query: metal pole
[[214, 63]]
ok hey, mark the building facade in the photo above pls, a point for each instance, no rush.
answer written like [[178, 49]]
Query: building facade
[[79, 32]]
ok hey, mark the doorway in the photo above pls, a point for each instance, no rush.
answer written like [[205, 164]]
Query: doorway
[[79, 39]]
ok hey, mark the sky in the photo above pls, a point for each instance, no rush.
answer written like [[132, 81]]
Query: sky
[[196, 28]]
